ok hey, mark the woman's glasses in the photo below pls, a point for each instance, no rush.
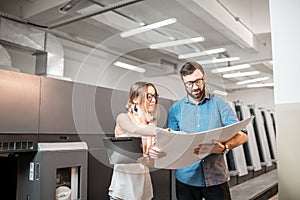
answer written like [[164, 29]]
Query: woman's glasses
[[150, 96]]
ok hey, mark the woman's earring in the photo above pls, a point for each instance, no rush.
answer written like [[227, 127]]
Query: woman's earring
[[135, 108]]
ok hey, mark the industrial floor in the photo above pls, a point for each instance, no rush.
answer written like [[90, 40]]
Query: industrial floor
[[262, 187]]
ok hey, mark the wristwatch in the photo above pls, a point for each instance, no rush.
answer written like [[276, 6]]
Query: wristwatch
[[226, 149]]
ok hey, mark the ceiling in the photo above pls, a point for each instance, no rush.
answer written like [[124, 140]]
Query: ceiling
[[241, 27]]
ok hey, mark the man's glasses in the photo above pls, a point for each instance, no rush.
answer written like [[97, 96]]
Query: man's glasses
[[151, 96], [190, 84]]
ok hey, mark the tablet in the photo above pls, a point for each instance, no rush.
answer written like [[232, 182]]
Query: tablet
[[123, 150]]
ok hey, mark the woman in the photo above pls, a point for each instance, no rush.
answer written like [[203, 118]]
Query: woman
[[133, 181]]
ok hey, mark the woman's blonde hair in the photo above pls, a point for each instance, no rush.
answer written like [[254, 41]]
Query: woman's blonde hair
[[138, 91]]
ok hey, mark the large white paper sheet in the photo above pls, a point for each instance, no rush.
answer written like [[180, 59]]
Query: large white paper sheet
[[179, 146]]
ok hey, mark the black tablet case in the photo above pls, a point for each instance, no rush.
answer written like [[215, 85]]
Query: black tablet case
[[123, 150]]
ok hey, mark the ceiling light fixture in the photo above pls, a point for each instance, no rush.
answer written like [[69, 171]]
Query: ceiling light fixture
[[176, 42], [240, 74], [201, 53], [252, 80], [260, 85], [148, 27], [65, 8], [130, 67], [218, 60], [231, 68]]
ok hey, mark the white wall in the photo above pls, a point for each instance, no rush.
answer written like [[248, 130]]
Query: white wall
[[285, 42], [259, 97], [285, 34]]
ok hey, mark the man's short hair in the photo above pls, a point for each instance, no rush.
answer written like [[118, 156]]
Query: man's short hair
[[189, 67]]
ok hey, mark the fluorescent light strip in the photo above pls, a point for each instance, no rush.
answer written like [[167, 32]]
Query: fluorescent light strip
[[218, 60], [130, 67], [231, 68], [240, 74], [260, 85], [176, 42], [148, 27], [201, 53], [222, 93], [252, 80]]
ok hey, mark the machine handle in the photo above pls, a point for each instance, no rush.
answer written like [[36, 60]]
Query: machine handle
[[64, 138]]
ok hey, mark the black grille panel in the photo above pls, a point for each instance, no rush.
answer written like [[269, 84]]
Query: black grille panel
[[16, 146]]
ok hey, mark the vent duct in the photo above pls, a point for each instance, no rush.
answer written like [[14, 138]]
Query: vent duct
[[44, 46], [5, 60]]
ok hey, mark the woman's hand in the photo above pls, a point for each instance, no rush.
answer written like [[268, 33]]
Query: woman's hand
[[156, 153], [146, 160], [153, 153]]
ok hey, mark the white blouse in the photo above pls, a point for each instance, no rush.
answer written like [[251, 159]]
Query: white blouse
[[131, 181]]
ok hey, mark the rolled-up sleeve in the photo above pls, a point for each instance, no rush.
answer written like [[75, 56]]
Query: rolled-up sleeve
[[228, 115]]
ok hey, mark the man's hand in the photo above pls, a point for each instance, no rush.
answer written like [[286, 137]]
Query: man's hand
[[216, 147]]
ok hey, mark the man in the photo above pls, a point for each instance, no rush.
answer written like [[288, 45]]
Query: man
[[202, 111]]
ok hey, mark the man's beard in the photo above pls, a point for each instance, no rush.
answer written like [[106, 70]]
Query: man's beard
[[197, 96]]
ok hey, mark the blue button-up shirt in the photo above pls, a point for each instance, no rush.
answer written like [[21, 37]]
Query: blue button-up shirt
[[210, 113]]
